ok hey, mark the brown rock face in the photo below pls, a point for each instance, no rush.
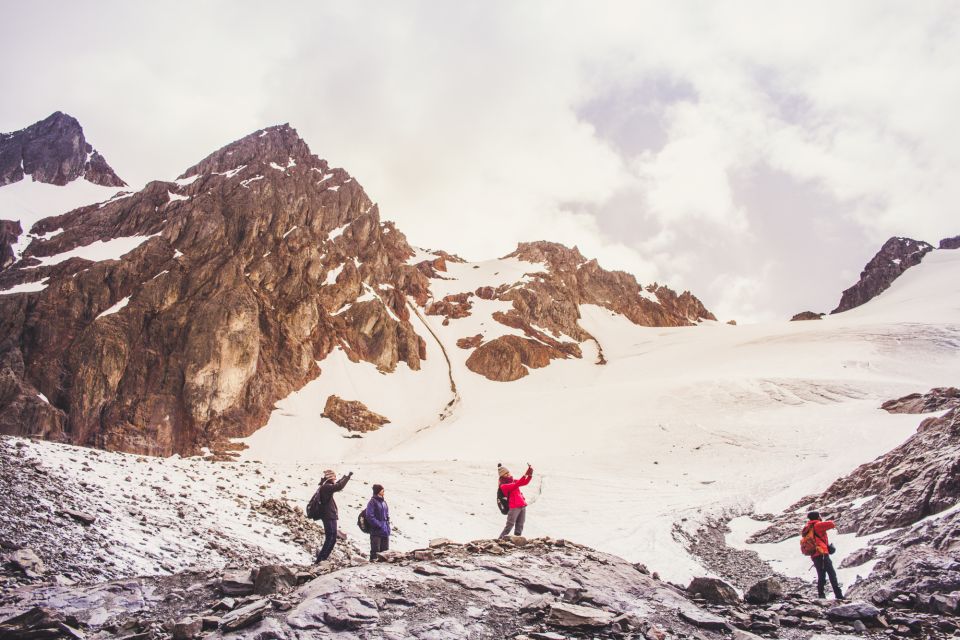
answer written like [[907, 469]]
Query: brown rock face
[[939, 399], [262, 259], [545, 306], [807, 315], [53, 150], [10, 231], [451, 307], [470, 343], [551, 298], [352, 415], [895, 256], [507, 358], [950, 243]]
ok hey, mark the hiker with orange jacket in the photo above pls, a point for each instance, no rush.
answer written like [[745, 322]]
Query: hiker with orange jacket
[[814, 543], [518, 505]]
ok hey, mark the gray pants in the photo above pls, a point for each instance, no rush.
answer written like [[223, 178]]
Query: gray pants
[[515, 520]]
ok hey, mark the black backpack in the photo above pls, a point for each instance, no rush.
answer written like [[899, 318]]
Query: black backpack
[[503, 502], [362, 521], [315, 506]]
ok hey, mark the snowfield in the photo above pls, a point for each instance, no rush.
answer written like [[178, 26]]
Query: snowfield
[[679, 425]]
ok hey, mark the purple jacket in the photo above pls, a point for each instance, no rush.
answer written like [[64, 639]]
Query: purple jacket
[[378, 516]]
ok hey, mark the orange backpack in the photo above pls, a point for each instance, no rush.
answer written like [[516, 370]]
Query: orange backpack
[[808, 540]]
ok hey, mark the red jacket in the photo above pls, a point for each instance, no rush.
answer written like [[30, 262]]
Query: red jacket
[[511, 489], [820, 535]]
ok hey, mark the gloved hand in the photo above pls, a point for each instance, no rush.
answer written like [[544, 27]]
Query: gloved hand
[[529, 470], [350, 474]]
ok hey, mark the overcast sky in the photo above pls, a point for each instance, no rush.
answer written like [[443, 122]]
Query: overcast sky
[[756, 153]]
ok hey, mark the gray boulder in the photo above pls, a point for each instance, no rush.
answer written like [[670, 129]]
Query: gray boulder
[[764, 591], [28, 562], [853, 611], [713, 590], [274, 578], [237, 582], [575, 616]]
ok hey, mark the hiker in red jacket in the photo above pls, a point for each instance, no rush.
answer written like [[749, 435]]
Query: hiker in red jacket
[[518, 505], [821, 556]]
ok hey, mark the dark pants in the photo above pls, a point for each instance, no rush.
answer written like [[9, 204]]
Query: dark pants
[[515, 520], [329, 539], [378, 544], [824, 567]]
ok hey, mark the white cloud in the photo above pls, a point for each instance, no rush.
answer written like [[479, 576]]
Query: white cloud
[[476, 126]]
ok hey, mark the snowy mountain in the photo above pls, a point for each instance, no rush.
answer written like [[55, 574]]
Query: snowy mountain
[[41, 167], [55, 151], [239, 283], [257, 322]]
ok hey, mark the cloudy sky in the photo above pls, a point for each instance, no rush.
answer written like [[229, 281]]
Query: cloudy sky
[[756, 153]]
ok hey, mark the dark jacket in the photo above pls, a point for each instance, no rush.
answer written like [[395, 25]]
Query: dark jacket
[[378, 515], [328, 506]]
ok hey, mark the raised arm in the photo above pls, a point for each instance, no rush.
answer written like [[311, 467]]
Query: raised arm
[[342, 482], [824, 526]]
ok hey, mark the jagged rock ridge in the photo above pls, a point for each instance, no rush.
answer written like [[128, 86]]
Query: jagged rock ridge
[[545, 307], [53, 150], [895, 256]]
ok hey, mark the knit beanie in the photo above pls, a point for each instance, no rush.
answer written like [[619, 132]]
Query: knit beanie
[[813, 515], [377, 488], [502, 470]]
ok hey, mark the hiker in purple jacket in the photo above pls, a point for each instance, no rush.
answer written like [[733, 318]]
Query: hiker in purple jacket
[[378, 519]]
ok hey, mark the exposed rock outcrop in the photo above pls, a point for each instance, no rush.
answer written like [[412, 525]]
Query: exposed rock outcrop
[[807, 315], [895, 256], [939, 399], [471, 342], [507, 358], [950, 243], [352, 415], [55, 151], [10, 231], [451, 307], [545, 307]]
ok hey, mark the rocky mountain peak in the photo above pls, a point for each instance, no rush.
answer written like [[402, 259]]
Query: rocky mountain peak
[[895, 256], [950, 243], [551, 253], [53, 150], [280, 145]]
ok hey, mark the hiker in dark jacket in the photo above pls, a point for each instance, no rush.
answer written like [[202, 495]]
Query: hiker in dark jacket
[[517, 515], [378, 520], [328, 509], [821, 557]]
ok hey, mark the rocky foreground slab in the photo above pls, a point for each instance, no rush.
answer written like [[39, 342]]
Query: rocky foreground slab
[[515, 588]]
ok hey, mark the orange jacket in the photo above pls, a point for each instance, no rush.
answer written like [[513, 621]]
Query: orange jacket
[[820, 528]]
